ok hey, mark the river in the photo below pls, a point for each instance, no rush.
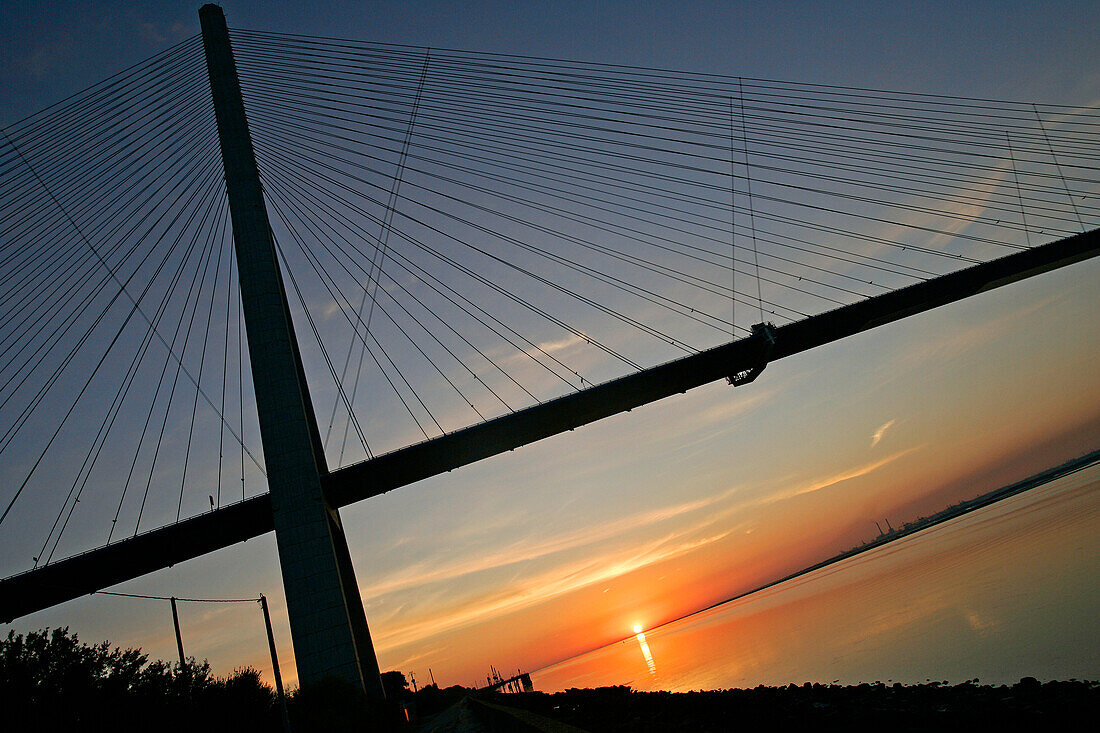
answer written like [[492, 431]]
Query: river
[[1006, 591]]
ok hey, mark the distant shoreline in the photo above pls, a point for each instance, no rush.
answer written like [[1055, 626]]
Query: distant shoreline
[[910, 528], [969, 706], [923, 523]]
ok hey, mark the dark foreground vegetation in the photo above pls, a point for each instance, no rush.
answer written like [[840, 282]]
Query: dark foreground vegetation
[[50, 680], [1026, 706]]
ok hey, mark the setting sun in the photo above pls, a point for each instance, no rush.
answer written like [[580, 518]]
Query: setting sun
[[637, 628]]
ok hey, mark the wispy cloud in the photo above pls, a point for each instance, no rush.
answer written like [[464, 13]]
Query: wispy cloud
[[553, 346], [619, 555], [561, 579], [877, 437], [159, 33], [837, 478], [423, 573], [727, 410], [947, 346]]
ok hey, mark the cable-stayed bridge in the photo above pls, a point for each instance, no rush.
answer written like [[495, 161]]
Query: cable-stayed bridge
[[478, 251]]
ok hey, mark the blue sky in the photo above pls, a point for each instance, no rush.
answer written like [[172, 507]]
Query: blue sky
[[1004, 50]]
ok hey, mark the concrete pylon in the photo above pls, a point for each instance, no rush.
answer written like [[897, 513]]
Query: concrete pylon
[[327, 621]]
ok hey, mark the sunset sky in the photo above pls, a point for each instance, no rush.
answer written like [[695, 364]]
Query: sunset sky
[[561, 546]]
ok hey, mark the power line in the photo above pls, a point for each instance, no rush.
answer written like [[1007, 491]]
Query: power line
[[175, 598]]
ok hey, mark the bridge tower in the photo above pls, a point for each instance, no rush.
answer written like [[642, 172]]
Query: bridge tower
[[327, 621]]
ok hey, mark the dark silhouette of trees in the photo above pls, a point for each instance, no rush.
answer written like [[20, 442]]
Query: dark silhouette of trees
[[50, 680], [394, 685]]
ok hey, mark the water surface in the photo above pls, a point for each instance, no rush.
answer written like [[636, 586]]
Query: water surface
[[1003, 592]]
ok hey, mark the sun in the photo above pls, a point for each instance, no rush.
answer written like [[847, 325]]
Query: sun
[[637, 628]]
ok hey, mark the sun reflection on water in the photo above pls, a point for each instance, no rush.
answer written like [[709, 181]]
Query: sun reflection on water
[[639, 634]]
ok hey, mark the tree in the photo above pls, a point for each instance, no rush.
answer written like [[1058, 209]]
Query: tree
[[394, 685], [51, 681]]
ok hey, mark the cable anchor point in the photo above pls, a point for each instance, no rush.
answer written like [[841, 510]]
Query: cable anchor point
[[762, 332]]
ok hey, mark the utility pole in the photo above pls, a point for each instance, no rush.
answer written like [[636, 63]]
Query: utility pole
[[327, 623], [179, 636], [275, 663]]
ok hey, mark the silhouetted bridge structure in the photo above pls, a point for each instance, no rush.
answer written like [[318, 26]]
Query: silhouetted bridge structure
[[293, 446], [67, 579], [520, 682]]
